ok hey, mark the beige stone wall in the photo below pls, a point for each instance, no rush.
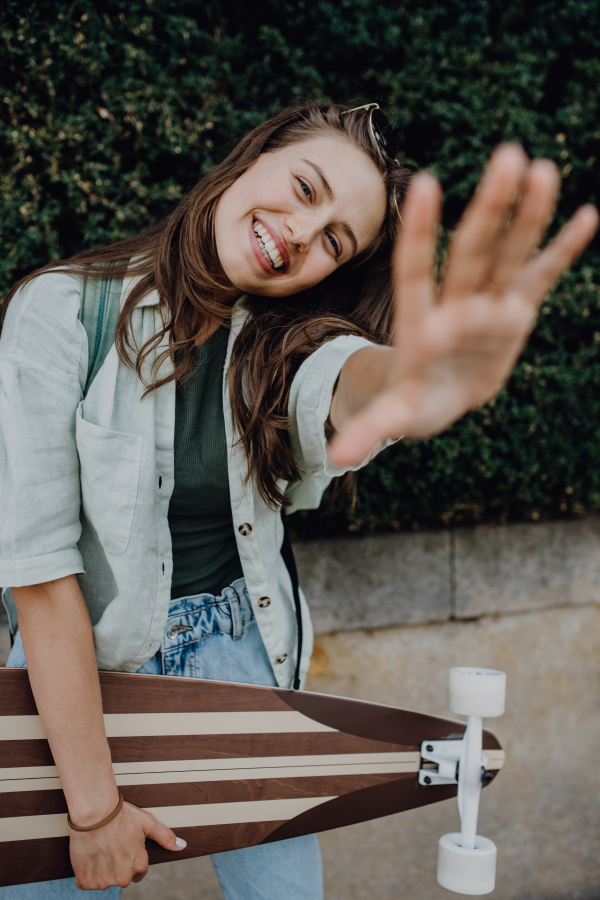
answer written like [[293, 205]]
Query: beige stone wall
[[411, 579]]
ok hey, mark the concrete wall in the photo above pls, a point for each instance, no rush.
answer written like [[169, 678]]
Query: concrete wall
[[414, 579], [392, 613]]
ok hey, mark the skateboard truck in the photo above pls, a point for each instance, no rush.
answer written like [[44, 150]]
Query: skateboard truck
[[447, 756], [466, 861]]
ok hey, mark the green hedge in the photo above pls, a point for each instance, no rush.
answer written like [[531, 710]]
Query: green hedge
[[109, 111]]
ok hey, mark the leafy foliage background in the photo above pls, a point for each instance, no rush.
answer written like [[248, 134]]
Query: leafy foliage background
[[108, 112]]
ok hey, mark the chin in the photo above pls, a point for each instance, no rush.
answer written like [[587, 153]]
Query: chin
[[267, 287], [275, 290]]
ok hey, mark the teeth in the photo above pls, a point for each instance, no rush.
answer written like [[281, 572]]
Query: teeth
[[268, 246]]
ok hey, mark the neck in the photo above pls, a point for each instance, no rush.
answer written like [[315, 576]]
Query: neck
[[226, 300], [226, 296]]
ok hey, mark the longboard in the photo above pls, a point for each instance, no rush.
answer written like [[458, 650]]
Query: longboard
[[225, 765]]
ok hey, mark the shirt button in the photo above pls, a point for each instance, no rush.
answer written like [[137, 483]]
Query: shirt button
[[264, 602], [245, 529], [282, 658]]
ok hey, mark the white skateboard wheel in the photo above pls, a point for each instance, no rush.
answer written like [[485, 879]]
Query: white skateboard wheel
[[477, 692], [464, 871]]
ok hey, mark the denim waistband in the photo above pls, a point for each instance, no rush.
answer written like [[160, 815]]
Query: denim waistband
[[199, 615]]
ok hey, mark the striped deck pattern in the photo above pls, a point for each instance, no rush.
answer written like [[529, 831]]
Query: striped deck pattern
[[224, 765]]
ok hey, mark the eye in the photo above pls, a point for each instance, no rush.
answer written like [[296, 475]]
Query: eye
[[334, 244], [306, 190]]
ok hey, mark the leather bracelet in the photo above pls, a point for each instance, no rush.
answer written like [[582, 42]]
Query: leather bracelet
[[105, 821]]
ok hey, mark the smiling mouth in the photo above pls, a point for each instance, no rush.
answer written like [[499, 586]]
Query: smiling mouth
[[267, 246]]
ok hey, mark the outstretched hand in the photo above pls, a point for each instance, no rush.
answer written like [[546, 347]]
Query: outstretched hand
[[454, 347]]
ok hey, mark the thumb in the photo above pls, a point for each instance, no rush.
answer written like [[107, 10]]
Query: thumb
[[387, 416], [163, 835]]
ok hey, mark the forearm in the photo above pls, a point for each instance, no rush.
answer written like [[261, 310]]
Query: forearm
[[59, 648], [363, 376]]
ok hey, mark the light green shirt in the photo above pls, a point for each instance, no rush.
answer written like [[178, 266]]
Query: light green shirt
[[85, 484]]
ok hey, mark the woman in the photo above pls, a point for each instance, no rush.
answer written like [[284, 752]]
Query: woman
[[141, 526]]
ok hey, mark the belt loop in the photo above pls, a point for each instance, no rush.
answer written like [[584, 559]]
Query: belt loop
[[236, 617]]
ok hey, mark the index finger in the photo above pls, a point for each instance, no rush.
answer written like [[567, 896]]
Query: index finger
[[163, 835], [414, 254]]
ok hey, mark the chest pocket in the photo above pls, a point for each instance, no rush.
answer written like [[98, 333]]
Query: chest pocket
[[110, 463]]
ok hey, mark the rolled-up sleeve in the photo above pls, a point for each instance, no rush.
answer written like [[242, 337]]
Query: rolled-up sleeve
[[43, 353], [310, 401]]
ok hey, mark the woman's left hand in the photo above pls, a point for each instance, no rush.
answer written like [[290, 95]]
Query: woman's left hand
[[454, 347]]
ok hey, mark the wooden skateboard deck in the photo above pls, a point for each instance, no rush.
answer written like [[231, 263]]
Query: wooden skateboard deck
[[224, 765]]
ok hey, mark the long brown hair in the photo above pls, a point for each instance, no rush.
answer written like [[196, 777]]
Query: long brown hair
[[178, 258]]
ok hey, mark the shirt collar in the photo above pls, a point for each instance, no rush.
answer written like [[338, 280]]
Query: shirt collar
[[152, 299]]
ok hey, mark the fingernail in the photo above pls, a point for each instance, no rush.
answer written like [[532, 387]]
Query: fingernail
[[181, 844]]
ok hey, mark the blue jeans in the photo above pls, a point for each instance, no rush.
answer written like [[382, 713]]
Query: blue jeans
[[215, 638]]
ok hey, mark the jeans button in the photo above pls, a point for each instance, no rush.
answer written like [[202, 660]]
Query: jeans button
[[245, 529], [174, 630], [264, 602], [282, 658]]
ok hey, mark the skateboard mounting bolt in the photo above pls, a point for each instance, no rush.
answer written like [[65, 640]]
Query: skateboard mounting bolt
[[427, 779], [429, 748], [486, 776]]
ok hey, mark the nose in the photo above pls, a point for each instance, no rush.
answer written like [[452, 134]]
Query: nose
[[303, 228]]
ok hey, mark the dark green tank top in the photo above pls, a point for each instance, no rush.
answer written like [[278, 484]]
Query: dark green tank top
[[205, 556]]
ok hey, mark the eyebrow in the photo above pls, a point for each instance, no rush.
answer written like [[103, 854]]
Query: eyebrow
[[328, 190]]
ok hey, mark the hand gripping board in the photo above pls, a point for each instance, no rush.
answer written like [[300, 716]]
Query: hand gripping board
[[225, 765]]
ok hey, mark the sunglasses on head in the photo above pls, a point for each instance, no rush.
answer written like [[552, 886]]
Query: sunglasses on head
[[382, 134]]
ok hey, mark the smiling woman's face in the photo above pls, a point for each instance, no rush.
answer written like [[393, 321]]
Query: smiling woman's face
[[297, 214]]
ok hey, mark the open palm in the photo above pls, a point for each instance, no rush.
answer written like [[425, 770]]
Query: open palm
[[454, 346]]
